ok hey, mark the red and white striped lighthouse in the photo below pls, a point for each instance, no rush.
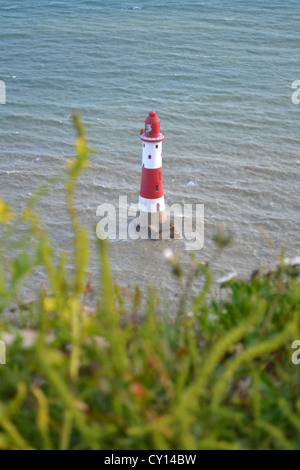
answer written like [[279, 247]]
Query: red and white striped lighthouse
[[151, 193]]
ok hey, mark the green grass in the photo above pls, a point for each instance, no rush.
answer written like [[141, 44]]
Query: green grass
[[217, 376]]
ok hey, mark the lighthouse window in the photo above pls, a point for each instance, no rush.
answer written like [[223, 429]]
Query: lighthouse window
[[157, 188], [143, 145], [156, 146], [149, 156]]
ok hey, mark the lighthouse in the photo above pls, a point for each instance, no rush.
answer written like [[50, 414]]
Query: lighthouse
[[153, 220], [151, 199]]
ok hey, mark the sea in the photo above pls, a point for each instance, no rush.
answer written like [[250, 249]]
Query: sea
[[222, 77]]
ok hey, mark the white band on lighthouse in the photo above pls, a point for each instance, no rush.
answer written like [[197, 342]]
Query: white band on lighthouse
[[151, 205], [152, 155]]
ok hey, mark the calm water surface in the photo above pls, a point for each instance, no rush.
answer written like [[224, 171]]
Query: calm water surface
[[219, 75]]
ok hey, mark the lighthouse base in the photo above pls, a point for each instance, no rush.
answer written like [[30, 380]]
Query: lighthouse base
[[156, 226]]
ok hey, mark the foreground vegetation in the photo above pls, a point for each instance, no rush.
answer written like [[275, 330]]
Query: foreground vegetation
[[217, 376]]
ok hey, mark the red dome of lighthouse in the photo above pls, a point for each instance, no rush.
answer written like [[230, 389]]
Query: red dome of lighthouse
[[152, 123], [152, 129]]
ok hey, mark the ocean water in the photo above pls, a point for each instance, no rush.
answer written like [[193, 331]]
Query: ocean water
[[218, 73]]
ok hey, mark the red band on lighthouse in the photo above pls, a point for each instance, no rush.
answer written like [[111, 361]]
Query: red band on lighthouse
[[151, 194], [151, 184]]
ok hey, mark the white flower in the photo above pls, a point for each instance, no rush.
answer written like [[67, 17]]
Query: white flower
[[169, 254], [28, 338]]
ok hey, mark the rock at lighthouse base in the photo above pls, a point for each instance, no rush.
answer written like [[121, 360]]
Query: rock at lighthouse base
[[157, 226], [166, 232]]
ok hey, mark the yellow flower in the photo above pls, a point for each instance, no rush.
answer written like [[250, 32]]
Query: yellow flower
[[49, 304], [72, 308], [5, 212]]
